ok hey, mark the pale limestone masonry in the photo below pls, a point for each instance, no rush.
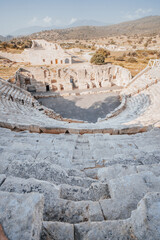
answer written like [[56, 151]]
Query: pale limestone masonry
[[41, 53], [81, 183], [109, 190], [41, 79], [139, 112], [21, 215]]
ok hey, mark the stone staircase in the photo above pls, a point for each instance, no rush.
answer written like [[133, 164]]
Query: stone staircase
[[116, 200]]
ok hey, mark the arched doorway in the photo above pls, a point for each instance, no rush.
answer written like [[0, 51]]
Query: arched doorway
[[47, 88], [66, 60]]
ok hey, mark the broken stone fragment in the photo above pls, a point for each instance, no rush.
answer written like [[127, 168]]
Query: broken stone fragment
[[21, 215]]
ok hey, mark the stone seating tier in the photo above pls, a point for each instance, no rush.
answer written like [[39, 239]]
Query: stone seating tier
[[90, 187], [22, 106]]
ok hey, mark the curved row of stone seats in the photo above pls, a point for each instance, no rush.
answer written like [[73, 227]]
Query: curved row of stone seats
[[87, 152], [152, 115], [143, 81], [135, 107], [11, 93], [15, 103], [15, 93], [142, 111], [14, 113], [131, 120], [153, 111]]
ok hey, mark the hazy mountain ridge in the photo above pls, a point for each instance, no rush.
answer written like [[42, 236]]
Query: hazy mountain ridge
[[7, 38], [33, 29], [144, 26]]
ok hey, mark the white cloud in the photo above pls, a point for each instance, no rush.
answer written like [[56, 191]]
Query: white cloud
[[141, 11], [47, 20], [73, 20], [138, 13]]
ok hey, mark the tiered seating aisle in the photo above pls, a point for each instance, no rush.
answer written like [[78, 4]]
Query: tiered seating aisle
[[81, 202]]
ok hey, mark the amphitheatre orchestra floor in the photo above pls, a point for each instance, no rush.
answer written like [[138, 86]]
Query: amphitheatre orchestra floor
[[88, 107]]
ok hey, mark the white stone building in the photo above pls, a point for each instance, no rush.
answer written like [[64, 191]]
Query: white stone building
[[41, 53]]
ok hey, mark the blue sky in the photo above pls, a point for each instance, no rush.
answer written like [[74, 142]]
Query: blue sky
[[15, 14]]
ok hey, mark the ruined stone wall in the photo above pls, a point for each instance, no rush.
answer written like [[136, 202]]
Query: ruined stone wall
[[35, 79], [65, 79]]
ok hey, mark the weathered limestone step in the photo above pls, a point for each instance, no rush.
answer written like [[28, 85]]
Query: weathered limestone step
[[20, 185], [110, 230], [142, 225], [21, 215], [57, 231], [75, 173], [55, 208], [42, 170], [106, 150], [126, 192], [95, 192], [107, 173]]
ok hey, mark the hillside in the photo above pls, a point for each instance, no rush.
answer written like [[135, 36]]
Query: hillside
[[8, 38], [144, 26], [33, 29]]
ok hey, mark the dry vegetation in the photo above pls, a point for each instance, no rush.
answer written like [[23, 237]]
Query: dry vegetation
[[135, 61], [15, 45], [137, 51], [8, 68]]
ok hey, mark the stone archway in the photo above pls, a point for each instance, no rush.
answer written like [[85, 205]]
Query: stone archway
[[67, 61]]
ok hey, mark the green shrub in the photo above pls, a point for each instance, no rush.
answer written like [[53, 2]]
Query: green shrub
[[99, 57]]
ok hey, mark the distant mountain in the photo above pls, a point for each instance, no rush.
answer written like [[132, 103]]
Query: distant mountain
[[30, 30], [144, 26], [34, 29], [7, 38], [79, 23]]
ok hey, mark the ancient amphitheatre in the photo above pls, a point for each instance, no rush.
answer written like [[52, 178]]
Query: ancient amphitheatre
[[79, 144]]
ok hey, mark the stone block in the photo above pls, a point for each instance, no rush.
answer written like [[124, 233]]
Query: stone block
[[21, 215], [57, 231]]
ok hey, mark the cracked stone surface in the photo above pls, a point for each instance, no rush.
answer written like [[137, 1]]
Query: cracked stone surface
[[21, 215]]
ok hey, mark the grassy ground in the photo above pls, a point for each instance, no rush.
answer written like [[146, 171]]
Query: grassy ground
[[141, 60], [8, 68]]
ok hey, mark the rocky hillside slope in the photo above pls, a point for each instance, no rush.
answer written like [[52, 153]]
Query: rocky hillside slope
[[144, 26]]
